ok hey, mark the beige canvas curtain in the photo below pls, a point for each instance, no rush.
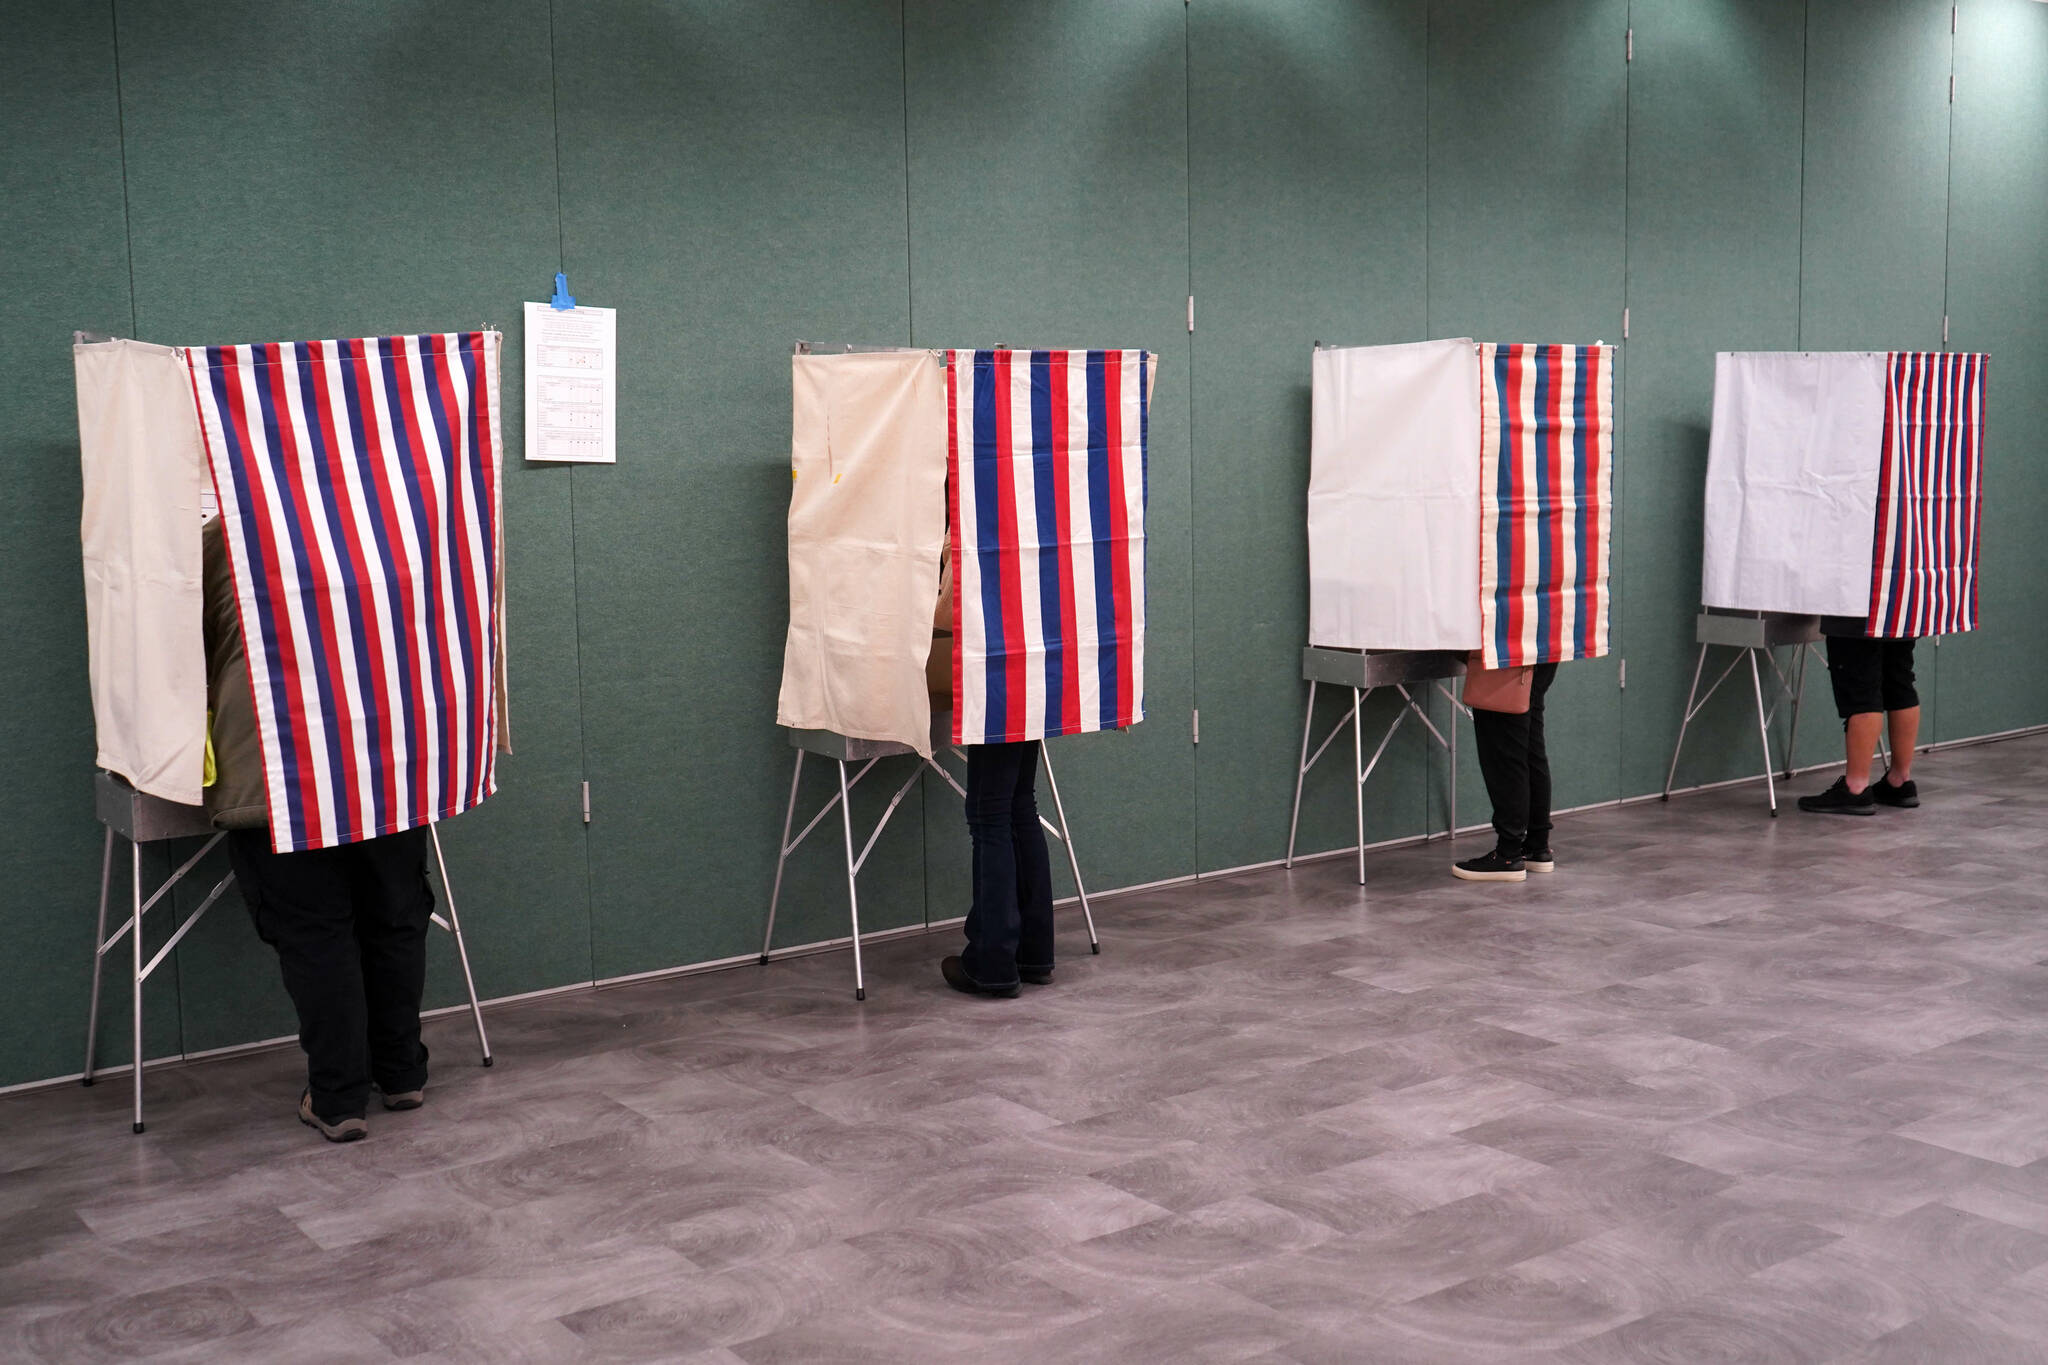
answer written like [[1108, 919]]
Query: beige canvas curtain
[[143, 467], [867, 526]]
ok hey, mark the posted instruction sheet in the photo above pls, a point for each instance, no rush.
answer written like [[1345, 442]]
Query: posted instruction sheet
[[572, 384]]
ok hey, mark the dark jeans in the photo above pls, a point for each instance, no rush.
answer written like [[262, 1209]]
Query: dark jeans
[[1010, 921], [350, 928], [1516, 766]]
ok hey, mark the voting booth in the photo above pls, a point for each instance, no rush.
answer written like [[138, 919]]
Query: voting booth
[[1460, 504], [1840, 484], [357, 489], [1025, 471]]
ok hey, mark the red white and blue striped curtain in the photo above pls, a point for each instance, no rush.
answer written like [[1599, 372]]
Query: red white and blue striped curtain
[[359, 490], [1546, 477], [1929, 495], [1046, 456]]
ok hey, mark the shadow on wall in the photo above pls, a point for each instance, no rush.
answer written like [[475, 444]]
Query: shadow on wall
[[1688, 441], [1081, 200]]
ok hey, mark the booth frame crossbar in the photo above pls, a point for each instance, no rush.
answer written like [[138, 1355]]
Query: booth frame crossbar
[[142, 819], [1755, 636], [1792, 690], [849, 752], [1362, 769]]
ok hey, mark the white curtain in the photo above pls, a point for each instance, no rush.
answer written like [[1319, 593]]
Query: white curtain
[[144, 471], [1393, 497], [1791, 509], [867, 527]]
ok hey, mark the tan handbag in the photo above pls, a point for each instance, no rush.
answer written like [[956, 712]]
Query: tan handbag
[[1498, 689]]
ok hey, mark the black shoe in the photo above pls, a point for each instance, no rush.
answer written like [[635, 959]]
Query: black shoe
[[1905, 796], [957, 977], [1839, 800], [1034, 976], [341, 1130], [1501, 865], [1539, 858]]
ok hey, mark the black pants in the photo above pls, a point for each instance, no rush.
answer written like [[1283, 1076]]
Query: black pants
[[1010, 921], [1516, 766], [1871, 675], [350, 928]]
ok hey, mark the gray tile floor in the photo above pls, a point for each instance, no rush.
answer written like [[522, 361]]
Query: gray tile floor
[[1722, 1088]]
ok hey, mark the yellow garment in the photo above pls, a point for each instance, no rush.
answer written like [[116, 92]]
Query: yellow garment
[[867, 525], [144, 468]]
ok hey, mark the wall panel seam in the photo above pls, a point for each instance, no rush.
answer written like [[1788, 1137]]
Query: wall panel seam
[[121, 141]]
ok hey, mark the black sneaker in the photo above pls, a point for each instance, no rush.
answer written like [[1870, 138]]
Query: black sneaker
[[957, 977], [1538, 858], [1905, 795], [1839, 800], [1034, 976], [1497, 866]]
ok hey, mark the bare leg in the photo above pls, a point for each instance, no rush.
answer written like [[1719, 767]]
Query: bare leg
[[1862, 742], [1904, 727]]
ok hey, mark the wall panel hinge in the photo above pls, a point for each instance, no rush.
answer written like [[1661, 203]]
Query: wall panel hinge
[[1623, 674], [1624, 324], [1196, 723], [586, 803], [1951, 18], [1951, 89], [1191, 312], [1944, 329], [1631, 44]]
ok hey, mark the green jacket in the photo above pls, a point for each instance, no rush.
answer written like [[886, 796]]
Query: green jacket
[[236, 799]]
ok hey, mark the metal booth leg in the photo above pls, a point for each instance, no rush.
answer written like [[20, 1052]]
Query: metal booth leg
[[1798, 700], [1453, 831], [1763, 731], [860, 988], [135, 980], [99, 957], [1358, 773], [1067, 842], [782, 857], [476, 1010], [1685, 722], [1300, 771]]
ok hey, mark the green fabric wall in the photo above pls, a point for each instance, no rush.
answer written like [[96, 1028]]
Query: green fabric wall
[[1996, 679], [736, 174]]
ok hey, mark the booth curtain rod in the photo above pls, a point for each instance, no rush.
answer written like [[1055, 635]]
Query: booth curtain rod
[[854, 348]]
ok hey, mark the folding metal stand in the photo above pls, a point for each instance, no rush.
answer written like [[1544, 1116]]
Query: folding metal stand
[[844, 751], [1754, 636], [143, 819], [1364, 671]]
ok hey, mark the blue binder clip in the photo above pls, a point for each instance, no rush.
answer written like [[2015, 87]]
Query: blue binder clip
[[563, 299]]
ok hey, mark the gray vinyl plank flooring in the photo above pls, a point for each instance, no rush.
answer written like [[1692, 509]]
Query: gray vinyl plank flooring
[[1722, 1088]]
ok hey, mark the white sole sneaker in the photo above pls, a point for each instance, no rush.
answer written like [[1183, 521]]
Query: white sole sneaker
[[1463, 875], [1538, 867]]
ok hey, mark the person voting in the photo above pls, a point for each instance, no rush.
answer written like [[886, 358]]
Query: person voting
[[1848, 485]]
